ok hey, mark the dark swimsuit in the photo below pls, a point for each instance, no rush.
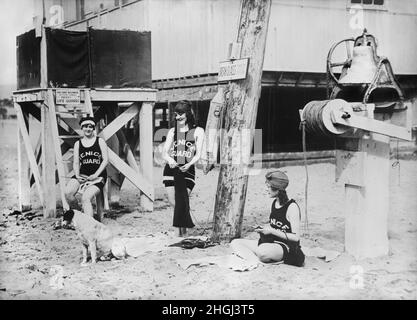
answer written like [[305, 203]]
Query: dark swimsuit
[[182, 151], [90, 160], [278, 220]]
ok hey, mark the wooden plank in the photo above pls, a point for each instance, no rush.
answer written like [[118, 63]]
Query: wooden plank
[[24, 182], [115, 181], [48, 165], [368, 206], [192, 94], [372, 125], [29, 150], [88, 104], [146, 150], [135, 177], [57, 149], [119, 122], [122, 95], [44, 60], [28, 97]]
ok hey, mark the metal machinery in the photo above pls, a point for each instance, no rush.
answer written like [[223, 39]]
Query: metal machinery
[[362, 131]]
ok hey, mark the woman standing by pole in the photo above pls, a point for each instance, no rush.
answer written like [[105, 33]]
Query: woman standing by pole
[[181, 151]]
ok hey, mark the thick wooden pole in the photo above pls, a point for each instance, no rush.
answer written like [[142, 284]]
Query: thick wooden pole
[[23, 170], [367, 198], [29, 150], [113, 192], [241, 103], [146, 150], [48, 165]]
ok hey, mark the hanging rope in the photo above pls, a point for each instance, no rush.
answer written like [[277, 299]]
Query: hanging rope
[[397, 162], [306, 229], [313, 118]]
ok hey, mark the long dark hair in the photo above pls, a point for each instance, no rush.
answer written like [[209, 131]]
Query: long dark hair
[[282, 197], [184, 106]]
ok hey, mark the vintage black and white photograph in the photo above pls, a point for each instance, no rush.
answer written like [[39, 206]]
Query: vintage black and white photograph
[[208, 150]]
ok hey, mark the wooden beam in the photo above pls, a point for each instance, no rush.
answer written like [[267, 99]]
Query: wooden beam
[[372, 125], [123, 95], [241, 101], [57, 149], [24, 182], [115, 179], [192, 94], [48, 165], [146, 150], [44, 60], [135, 177], [119, 122], [87, 103], [367, 204], [29, 97], [29, 150]]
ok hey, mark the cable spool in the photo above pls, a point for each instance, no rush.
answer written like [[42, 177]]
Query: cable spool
[[317, 117]]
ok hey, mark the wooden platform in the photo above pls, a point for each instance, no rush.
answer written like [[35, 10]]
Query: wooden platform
[[114, 110]]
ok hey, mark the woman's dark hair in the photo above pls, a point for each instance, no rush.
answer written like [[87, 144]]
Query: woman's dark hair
[[184, 106], [282, 197]]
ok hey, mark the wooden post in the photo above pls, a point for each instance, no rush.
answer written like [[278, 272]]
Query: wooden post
[[29, 150], [57, 148], [146, 150], [24, 179], [113, 189], [367, 198], [48, 165], [241, 103], [44, 62]]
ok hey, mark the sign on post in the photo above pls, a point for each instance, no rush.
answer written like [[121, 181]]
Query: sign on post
[[233, 70], [68, 96]]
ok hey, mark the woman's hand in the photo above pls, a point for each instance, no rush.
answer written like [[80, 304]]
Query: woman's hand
[[81, 178], [185, 167], [92, 177], [265, 230], [172, 163]]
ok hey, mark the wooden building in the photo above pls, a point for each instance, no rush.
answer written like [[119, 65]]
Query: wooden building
[[191, 37]]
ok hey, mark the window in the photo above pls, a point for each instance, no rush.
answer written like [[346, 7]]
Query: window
[[368, 2]]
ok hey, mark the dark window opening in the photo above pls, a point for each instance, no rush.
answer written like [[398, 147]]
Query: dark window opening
[[368, 2]]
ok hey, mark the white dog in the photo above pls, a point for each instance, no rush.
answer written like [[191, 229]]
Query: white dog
[[94, 235]]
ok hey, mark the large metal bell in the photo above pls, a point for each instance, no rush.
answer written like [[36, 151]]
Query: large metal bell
[[363, 67]]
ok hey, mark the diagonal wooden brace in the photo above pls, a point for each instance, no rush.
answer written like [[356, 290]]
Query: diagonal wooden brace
[[135, 177], [29, 150]]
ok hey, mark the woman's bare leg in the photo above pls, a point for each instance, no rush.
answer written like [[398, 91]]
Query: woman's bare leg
[[270, 252], [70, 190], [87, 199]]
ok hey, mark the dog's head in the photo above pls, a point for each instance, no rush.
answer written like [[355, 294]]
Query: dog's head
[[68, 216]]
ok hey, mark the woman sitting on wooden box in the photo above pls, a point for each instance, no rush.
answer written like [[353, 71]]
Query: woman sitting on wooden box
[[90, 161]]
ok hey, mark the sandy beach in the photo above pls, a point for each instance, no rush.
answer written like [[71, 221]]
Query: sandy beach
[[30, 250]]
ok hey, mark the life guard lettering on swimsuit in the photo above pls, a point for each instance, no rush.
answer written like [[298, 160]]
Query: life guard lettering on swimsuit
[[68, 96], [187, 152], [279, 224], [97, 155], [233, 70]]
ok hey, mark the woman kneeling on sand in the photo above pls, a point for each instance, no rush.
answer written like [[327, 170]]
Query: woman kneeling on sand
[[279, 241]]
